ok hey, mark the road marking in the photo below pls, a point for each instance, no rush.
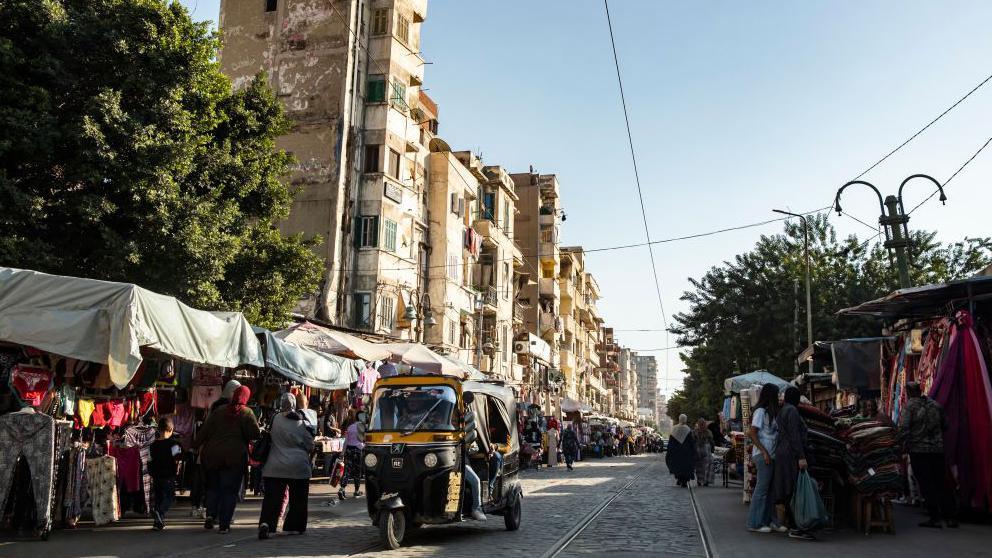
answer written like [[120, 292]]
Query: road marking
[[699, 523]]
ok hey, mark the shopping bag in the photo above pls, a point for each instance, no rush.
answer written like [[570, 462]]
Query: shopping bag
[[807, 506]]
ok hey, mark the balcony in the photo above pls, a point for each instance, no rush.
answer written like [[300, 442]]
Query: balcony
[[567, 288], [518, 312], [490, 297], [567, 360], [570, 324], [549, 287]]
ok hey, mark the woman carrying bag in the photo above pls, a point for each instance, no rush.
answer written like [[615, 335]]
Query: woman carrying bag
[[287, 466], [790, 459]]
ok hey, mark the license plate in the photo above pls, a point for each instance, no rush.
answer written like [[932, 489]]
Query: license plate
[[398, 463]]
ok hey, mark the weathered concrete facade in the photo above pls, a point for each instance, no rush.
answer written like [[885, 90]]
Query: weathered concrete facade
[[348, 73]]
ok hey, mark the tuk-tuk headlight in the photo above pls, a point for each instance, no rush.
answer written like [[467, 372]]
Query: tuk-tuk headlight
[[371, 460], [430, 460]]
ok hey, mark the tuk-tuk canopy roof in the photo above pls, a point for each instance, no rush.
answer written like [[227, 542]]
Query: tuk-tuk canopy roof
[[108, 323]]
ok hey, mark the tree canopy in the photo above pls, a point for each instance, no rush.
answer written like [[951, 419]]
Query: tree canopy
[[127, 156], [750, 313]]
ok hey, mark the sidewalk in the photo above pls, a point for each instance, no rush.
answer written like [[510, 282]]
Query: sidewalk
[[723, 515], [134, 537]]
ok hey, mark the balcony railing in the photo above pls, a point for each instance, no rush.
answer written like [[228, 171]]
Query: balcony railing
[[490, 296]]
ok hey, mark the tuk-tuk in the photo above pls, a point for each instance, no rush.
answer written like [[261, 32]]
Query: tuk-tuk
[[421, 432]]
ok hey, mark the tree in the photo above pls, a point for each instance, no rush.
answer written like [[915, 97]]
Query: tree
[[128, 157], [750, 314]]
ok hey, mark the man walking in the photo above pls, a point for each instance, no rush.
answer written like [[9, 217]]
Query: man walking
[[921, 434]]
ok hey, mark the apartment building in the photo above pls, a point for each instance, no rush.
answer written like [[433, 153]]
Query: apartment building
[[349, 74], [628, 385], [646, 367], [537, 232]]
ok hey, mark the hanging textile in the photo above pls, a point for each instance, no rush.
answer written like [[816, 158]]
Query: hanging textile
[[962, 389], [101, 477], [141, 437], [31, 436]]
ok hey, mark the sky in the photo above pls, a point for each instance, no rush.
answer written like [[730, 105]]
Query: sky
[[735, 108]]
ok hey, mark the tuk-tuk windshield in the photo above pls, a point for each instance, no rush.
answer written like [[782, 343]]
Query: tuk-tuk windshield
[[412, 408]]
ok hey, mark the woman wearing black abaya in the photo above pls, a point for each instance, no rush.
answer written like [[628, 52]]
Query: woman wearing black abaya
[[790, 457], [681, 454]]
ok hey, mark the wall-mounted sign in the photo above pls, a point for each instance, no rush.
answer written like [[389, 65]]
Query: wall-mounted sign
[[393, 192]]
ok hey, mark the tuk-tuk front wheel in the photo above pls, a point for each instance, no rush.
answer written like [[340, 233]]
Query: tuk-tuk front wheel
[[392, 527], [511, 516]]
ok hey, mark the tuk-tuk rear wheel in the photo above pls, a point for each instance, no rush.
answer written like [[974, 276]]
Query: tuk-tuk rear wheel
[[392, 527], [511, 516]]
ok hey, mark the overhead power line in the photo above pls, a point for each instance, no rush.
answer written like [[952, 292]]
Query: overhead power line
[[923, 129], [948, 181], [637, 177]]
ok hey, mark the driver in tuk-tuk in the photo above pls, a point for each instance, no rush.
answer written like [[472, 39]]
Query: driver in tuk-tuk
[[436, 418]]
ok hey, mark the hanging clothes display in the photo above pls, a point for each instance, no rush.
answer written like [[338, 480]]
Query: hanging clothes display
[[101, 477], [31, 436]]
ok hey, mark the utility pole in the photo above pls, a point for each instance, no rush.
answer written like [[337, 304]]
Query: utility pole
[[809, 297], [894, 219]]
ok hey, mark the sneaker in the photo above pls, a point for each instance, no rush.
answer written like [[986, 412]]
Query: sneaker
[[208, 523], [801, 535], [931, 524], [263, 532], [224, 530], [479, 516], [778, 528], [157, 522], [763, 529], [358, 493]]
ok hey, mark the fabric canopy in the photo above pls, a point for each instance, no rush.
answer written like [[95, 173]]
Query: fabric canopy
[[108, 323], [858, 363], [423, 359], [306, 334], [306, 366], [736, 384]]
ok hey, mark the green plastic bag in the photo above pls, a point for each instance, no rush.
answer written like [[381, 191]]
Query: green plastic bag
[[807, 506]]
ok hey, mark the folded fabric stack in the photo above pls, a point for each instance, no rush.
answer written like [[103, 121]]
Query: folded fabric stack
[[872, 457], [825, 451]]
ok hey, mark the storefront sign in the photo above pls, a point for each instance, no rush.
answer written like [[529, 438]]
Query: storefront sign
[[393, 192]]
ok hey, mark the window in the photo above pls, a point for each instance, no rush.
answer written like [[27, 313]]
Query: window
[[453, 333], [489, 205], [394, 164], [372, 163], [389, 232], [388, 314], [506, 279], [363, 309], [380, 21], [397, 94], [376, 89], [367, 231], [270, 5], [403, 28], [506, 218]]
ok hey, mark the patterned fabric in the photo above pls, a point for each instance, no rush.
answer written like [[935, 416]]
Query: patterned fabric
[[142, 437], [921, 426], [101, 477], [31, 436], [352, 465]]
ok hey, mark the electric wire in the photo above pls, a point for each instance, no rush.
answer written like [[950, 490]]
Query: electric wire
[[923, 129], [637, 180], [948, 181]]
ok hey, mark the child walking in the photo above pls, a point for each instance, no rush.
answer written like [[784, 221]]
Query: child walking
[[165, 453]]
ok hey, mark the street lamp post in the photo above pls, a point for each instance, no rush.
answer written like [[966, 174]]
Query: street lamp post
[[422, 312], [809, 297], [895, 221]]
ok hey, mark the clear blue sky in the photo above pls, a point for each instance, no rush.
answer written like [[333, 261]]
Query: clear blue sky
[[736, 108]]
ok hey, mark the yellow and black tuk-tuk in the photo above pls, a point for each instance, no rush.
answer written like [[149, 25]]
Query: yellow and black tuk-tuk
[[421, 432]]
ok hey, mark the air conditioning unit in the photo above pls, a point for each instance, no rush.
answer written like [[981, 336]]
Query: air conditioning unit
[[520, 347]]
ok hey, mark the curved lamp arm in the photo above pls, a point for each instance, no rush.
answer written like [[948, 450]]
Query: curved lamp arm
[[943, 197], [881, 204]]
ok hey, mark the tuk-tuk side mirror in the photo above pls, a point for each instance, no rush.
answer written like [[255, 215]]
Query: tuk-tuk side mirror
[[468, 397]]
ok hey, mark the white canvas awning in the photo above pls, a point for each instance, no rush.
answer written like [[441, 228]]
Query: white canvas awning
[[106, 322], [309, 367]]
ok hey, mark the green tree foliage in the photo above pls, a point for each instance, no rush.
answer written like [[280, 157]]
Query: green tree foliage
[[743, 315], [127, 156]]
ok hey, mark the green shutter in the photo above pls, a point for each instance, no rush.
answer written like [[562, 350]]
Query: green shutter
[[358, 232], [376, 90], [375, 231]]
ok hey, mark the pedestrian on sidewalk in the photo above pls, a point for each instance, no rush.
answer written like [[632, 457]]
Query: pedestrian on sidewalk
[[790, 458], [704, 453], [764, 437], [681, 455], [569, 446], [223, 441], [353, 447], [921, 435], [164, 454], [287, 468]]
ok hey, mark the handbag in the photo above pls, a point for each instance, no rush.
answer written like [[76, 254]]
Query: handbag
[[807, 506], [262, 447]]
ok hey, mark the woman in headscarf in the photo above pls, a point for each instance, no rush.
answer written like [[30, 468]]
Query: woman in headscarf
[[354, 444], [552, 437], [704, 453], [287, 467], [226, 394], [790, 458], [681, 455], [223, 441], [569, 446]]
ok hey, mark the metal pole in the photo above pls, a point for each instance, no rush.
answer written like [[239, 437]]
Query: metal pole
[[809, 290], [896, 222]]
